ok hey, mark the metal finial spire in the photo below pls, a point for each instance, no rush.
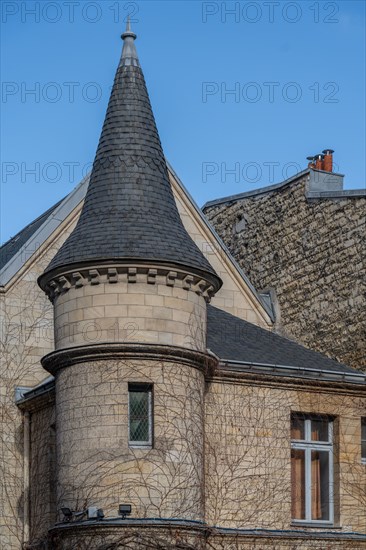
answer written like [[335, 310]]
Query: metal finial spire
[[128, 33], [129, 54]]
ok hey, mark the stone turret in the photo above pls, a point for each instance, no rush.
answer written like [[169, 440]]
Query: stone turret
[[129, 289]]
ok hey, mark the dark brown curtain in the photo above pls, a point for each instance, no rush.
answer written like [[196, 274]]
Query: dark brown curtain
[[316, 508]]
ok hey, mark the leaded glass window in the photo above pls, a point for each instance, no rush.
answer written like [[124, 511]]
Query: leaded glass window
[[140, 414]]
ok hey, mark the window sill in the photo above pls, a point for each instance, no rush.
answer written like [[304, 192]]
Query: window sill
[[137, 446]]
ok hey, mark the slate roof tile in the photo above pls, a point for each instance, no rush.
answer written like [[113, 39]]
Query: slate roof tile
[[129, 209], [13, 245], [231, 338]]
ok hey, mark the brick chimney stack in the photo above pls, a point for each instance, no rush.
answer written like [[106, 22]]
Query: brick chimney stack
[[319, 161], [322, 161], [328, 160]]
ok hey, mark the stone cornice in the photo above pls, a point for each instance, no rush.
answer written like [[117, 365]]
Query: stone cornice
[[62, 280], [57, 360], [118, 526]]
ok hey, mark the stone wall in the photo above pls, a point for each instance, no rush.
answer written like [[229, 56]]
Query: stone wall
[[125, 311], [248, 455], [26, 335], [247, 470], [128, 535], [42, 494], [235, 296], [173, 536], [290, 542], [96, 464], [311, 252]]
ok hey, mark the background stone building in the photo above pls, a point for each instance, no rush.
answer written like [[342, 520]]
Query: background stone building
[[303, 240], [144, 369]]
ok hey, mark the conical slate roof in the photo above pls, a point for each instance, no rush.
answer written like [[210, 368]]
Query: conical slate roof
[[129, 210]]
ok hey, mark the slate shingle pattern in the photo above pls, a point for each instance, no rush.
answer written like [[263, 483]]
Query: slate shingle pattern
[[13, 245], [129, 210], [234, 339]]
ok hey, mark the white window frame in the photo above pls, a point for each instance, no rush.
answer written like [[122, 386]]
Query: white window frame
[[308, 446], [134, 387]]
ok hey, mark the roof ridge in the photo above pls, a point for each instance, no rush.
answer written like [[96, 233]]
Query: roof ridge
[[258, 191]]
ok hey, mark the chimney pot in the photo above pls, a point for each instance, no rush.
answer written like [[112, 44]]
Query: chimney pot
[[311, 163]]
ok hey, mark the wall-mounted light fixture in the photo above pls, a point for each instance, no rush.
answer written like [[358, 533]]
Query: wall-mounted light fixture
[[124, 510], [68, 513]]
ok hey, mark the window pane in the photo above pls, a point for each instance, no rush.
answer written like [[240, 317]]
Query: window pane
[[139, 416], [363, 429], [363, 450], [319, 429], [298, 483], [139, 430], [297, 427], [320, 485]]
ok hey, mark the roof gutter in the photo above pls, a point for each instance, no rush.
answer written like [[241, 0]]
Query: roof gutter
[[290, 370], [25, 395]]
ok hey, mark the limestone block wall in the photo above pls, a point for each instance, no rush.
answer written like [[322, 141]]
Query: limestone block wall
[[282, 543], [243, 470], [130, 312], [97, 467], [174, 537], [42, 493], [247, 453], [26, 335], [311, 252], [132, 536], [235, 296]]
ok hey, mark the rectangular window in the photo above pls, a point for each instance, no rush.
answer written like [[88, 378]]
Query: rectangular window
[[363, 440], [140, 414], [312, 468]]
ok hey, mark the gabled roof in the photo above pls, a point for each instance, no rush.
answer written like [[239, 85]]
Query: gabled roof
[[318, 188], [129, 212], [13, 245], [35, 234], [55, 216], [234, 340]]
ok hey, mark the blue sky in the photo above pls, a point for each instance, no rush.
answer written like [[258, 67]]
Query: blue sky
[[242, 92]]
